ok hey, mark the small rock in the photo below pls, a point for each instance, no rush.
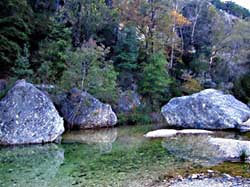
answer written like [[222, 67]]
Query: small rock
[[227, 176], [194, 176], [245, 126], [210, 171]]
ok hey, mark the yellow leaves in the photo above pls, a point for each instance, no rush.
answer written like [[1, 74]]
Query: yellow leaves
[[179, 18]]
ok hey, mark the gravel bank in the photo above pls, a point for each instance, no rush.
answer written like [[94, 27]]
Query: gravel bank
[[212, 182]]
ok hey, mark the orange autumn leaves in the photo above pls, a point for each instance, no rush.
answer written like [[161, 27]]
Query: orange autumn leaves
[[180, 20]]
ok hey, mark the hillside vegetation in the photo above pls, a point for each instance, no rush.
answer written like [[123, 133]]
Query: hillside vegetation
[[158, 48]]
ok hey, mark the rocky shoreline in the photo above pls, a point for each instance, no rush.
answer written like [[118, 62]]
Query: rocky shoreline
[[226, 181]]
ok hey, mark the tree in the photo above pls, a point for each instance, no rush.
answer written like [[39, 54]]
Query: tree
[[88, 70], [88, 18], [21, 67], [50, 59], [155, 79], [16, 27], [126, 49], [150, 18], [178, 21]]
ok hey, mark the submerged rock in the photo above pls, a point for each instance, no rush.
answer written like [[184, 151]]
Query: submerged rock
[[91, 136], [27, 116], [208, 109], [194, 148], [103, 138], [83, 111], [232, 149]]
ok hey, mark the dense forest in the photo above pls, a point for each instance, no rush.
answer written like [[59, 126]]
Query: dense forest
[[157, 48]]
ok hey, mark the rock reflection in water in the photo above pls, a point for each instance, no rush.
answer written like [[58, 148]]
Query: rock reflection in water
[[194, 148], [33, 165], [103, 138]]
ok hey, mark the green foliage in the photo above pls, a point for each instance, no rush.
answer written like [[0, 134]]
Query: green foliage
[[242, 88], [15, 24], [139, 115], [88, 70], [10, 84], [126, 50], [232, 8], [191, 86], [21, 68], [52, 54], [199, 64], [88, 18], [243, 155], [155, 79]]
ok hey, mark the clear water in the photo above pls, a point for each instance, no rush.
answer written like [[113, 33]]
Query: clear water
[[108, 157]]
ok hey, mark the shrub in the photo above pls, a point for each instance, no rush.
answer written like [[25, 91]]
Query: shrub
[[242, 88], [191, 86], [88, 70]]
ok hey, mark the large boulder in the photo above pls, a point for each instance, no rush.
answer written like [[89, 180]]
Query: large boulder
[[27, 116], [208, 109], [83, 111]]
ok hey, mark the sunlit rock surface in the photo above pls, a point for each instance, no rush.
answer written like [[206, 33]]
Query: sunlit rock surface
[[208, 109], [162, 133], [165, 133], [27, 116]]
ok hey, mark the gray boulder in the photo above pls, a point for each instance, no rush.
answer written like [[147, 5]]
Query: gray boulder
[[28, 116], [128, 101], [83, 111], [208, 109]]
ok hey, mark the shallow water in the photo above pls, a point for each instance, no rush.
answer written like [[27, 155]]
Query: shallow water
[[107, 157]]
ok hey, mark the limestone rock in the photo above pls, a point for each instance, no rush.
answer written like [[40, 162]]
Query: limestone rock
[[161, 133], [208, 109], [83, 111], [28, 116]]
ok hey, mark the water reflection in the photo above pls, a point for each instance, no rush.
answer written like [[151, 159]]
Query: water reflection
[[33, 165], [103, 138], [194, 148]]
